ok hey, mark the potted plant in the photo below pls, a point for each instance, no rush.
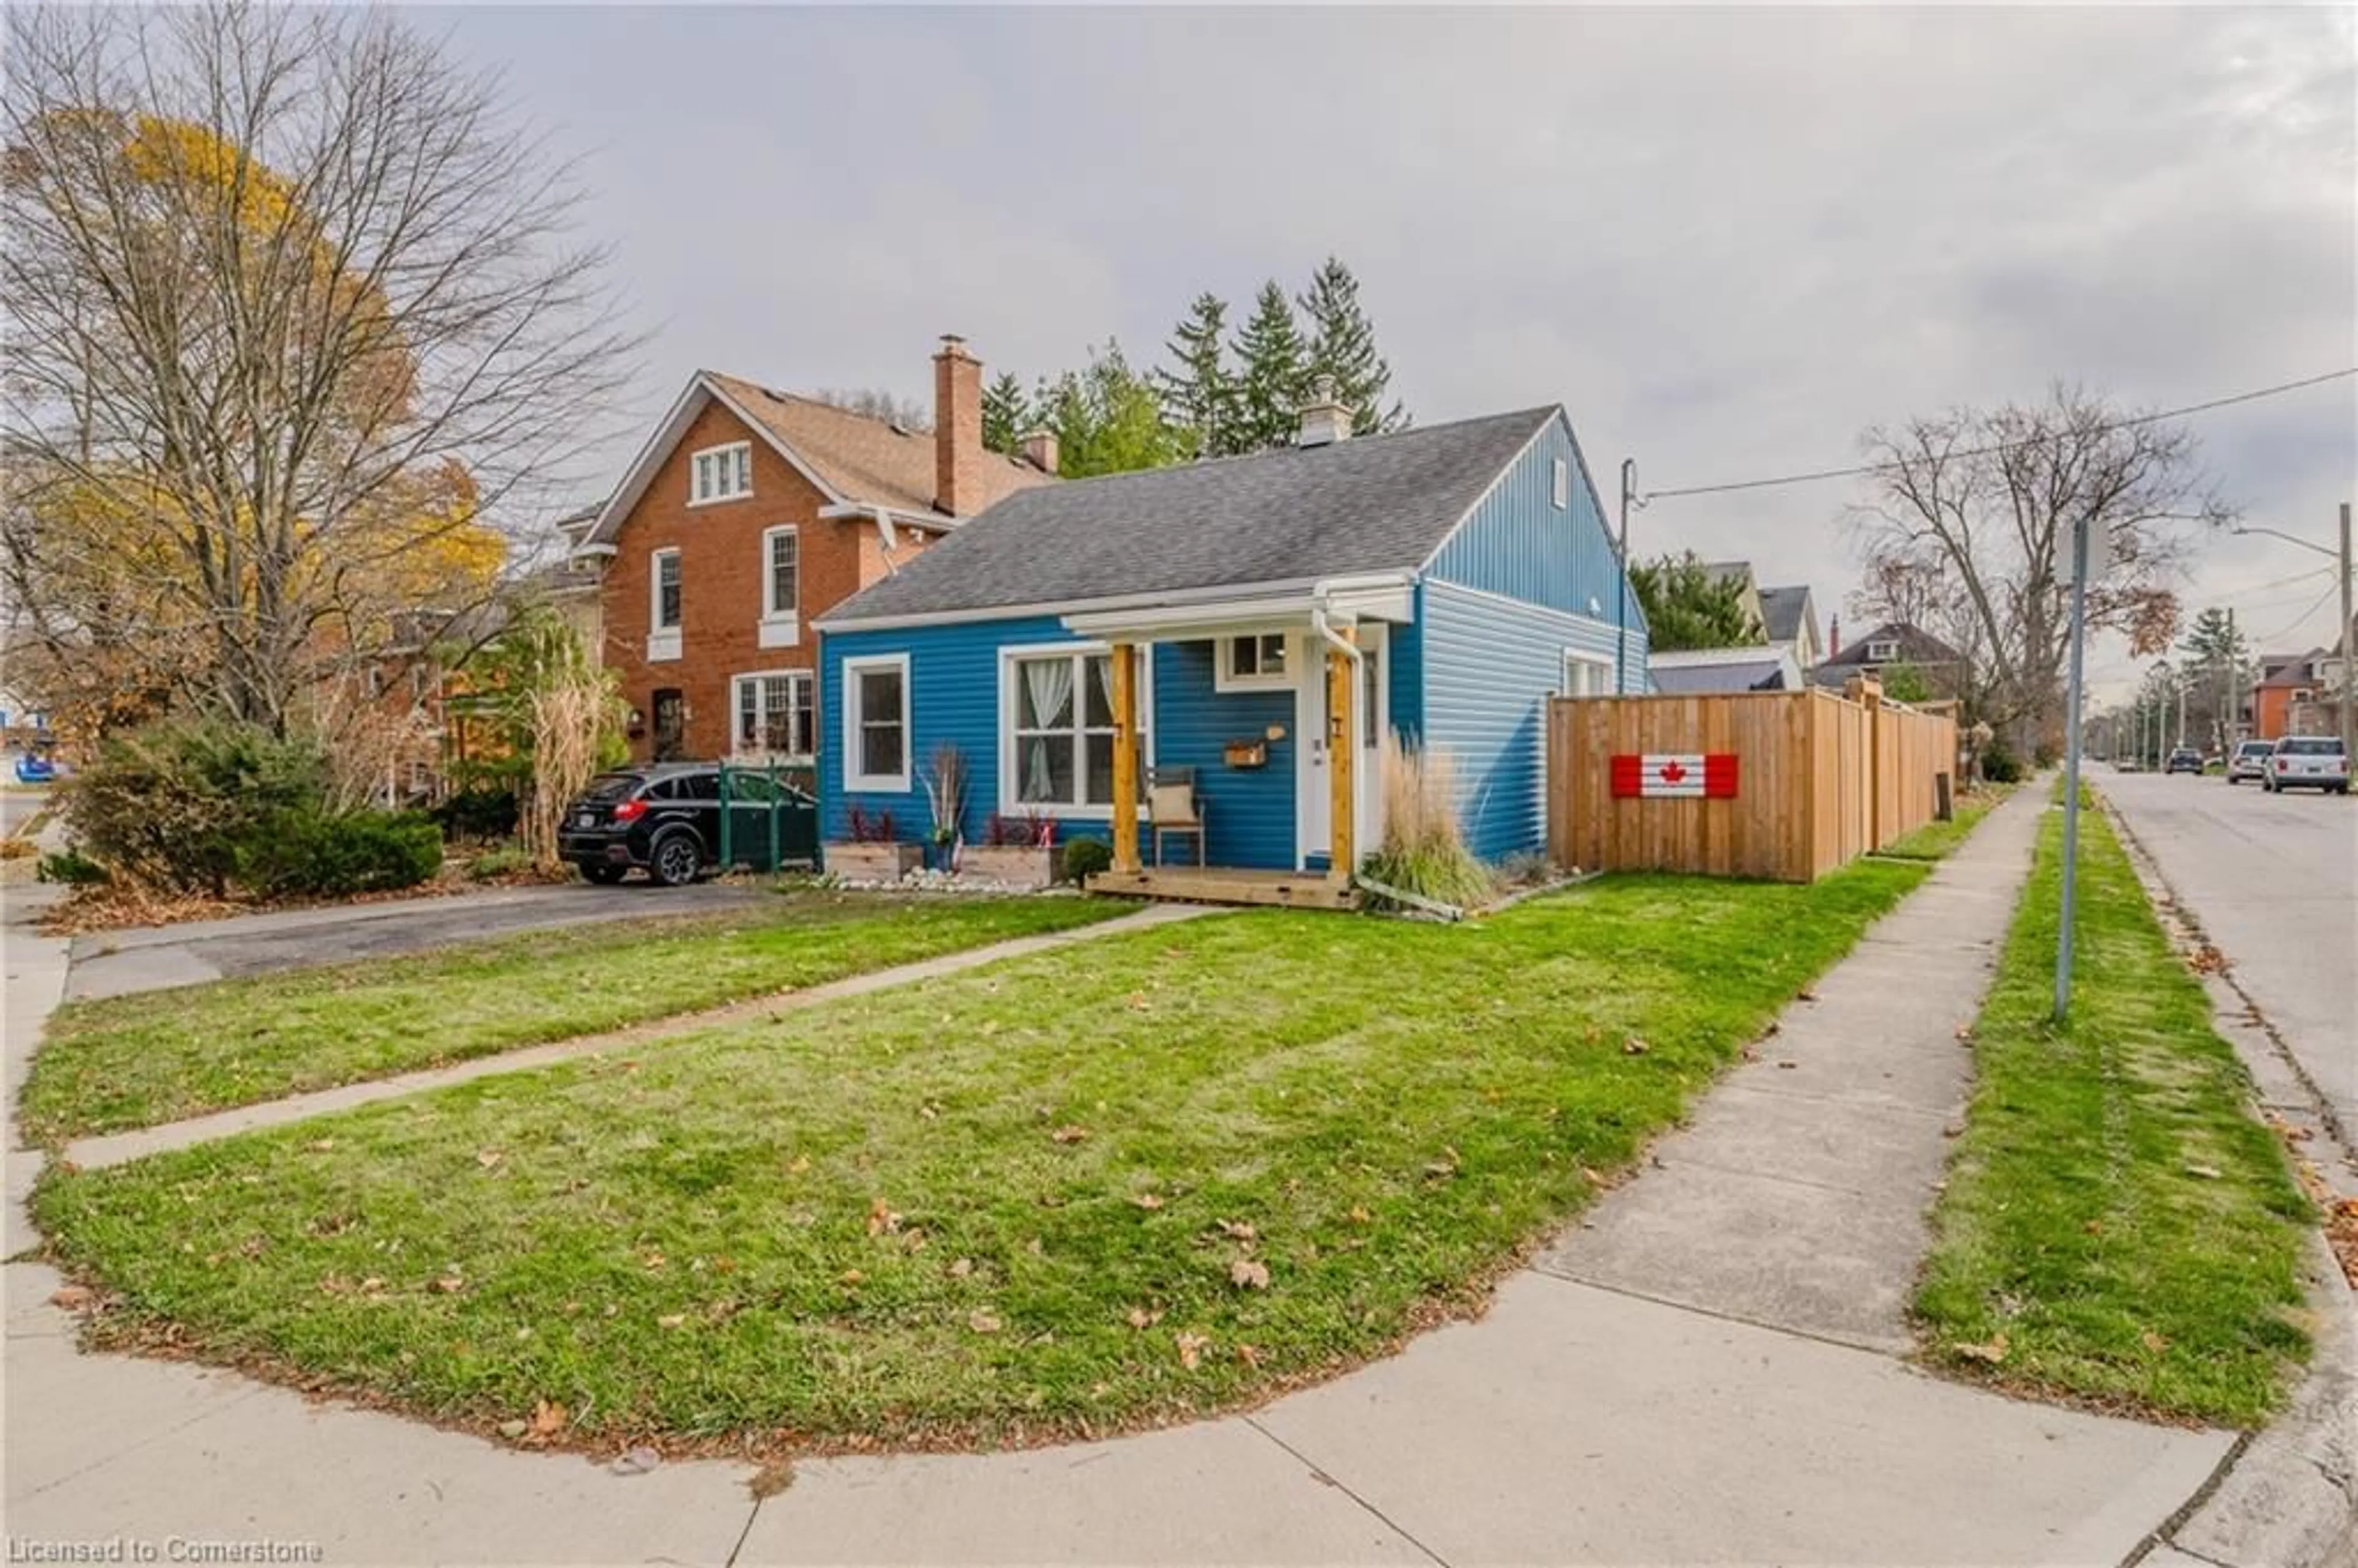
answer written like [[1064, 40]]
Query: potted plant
[[946, 798], [1019, 851], [873, 853]]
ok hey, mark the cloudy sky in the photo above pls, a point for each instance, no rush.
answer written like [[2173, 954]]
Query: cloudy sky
[[1726, 240]]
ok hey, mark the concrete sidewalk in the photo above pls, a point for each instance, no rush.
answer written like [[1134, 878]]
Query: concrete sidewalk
[[1735, 1405]]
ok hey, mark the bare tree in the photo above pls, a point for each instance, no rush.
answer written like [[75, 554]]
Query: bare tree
[[877, 402], [1973, 511], [295, 315]]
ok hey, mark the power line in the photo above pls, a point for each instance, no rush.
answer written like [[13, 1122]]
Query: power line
[[2330, 589], [1860, 469]]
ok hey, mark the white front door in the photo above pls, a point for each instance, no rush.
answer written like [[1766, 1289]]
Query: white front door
[[1313, 809]]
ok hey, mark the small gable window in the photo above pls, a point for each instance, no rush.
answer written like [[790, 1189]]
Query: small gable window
[[721, 473], [1254, 661], [1881, 650], [1562, 485]]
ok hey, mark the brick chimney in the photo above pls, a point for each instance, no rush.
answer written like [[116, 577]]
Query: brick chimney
[[1039, 448], [957, 428], [1833, 635]]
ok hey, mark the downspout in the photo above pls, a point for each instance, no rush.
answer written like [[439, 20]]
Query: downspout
[[884, 540]]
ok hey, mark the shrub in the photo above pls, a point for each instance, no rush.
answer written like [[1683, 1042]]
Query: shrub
[[172, 804], [1084, 857], [71, 869], [1028, 831], [1422, 850], [314, 853], [1999, 764], [483, 813], [870, 826], [503, 861]]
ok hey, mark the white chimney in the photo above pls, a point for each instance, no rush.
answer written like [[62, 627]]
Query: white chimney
[[1324, 420]]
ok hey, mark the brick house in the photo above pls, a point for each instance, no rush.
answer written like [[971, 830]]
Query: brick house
[[749, 514]]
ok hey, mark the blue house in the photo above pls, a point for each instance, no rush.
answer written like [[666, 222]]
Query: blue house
[[1275, 614]]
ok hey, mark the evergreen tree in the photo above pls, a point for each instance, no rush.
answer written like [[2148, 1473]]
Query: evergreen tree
[[1106, 418], [1006, 416], [1686, 607], [1343, 345], [1272, 373], [1199, 393], [2217, 669]]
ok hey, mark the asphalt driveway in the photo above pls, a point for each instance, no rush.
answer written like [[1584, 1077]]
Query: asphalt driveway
[[115, 963]]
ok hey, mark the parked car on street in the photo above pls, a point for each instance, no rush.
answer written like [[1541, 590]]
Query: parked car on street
[[665, 818], [2250, 761], [2184, 760], [2308, 761]]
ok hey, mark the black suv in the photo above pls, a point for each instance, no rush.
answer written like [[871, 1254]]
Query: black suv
[[665, 818]]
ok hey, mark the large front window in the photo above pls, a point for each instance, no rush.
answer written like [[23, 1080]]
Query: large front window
[[1059, 745], [776, 715], [876, 723]]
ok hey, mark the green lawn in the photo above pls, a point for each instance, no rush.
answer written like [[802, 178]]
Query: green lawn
[[1123, 1183], [2116, 1226], [158, 1057], [1936, 840]]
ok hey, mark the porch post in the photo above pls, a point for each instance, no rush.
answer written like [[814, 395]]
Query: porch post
[[1342, 759], [1125, 757]]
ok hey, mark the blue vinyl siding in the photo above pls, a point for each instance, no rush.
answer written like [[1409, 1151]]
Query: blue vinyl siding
[[1248, 812], [1520, 543], [1404, 646], [1491, 664], [953, 697]]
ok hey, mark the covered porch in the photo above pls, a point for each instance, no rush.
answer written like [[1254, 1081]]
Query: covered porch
[[1248, 765]]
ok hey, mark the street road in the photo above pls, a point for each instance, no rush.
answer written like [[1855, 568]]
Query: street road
[[17, 807], [2273, 880]]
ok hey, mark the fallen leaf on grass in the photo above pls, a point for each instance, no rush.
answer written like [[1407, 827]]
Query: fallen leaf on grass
[[961, 1268], [450, 1285], [1248, 1274], [487, 1158], [1633, 1046], [849, 1277], [1069, 1134], [1139, 1317], [1249, 1354], [1237, 1231], [2154, 1342], [547, 1418], [2208, 1173], [983, 1322], [1191, 1349], [1147, 1201], [73, 1298], [1807, 993], [673, 1320], [512, 1429], [1992, 1350], [882, 1220], [2207, 961], [1360, 1215]]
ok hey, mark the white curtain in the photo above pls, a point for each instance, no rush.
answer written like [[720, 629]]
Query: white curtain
[[1049, 684]]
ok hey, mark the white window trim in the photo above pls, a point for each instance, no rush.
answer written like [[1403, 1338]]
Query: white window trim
[[1594, 661], [781, 628], [728, 450], [736, 707], [1890, 651], [1224, 674], [1011, 790], [663, 641], [853, 668], [1561, 494]]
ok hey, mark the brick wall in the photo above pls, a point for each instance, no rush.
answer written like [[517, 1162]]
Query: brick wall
[[723, 566]]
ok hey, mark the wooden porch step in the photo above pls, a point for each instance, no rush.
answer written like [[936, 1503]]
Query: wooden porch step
[[1221, 885]]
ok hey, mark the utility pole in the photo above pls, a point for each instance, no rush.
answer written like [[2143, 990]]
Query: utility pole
[[2181, 711], [2343, 640], [2071, 770], [1621, 596]]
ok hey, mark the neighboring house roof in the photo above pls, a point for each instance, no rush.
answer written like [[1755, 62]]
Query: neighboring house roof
[[1917, 647], [1782, 611], [1755, 668], [853, 459], [1371, 504]]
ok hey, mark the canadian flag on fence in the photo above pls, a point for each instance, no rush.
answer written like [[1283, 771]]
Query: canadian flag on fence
[[1676, 775]]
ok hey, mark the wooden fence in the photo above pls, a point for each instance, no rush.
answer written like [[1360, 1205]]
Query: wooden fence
[[1818, 779]]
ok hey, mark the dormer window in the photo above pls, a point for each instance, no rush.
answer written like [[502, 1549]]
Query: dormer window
[[721, 473], [1882, 650]]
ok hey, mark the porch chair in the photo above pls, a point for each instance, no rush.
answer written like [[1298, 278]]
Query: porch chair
[[1173, 806]]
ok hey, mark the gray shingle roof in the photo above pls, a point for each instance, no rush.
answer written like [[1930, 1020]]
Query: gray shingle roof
[[1780, 612], [1373, 505], [1680, 680]]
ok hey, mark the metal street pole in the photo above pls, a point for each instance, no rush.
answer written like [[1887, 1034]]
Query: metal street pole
[[2072, 771], [2181, 711], [2343, 640]]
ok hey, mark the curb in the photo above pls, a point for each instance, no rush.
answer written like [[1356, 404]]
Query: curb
[[2286, 1497]]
